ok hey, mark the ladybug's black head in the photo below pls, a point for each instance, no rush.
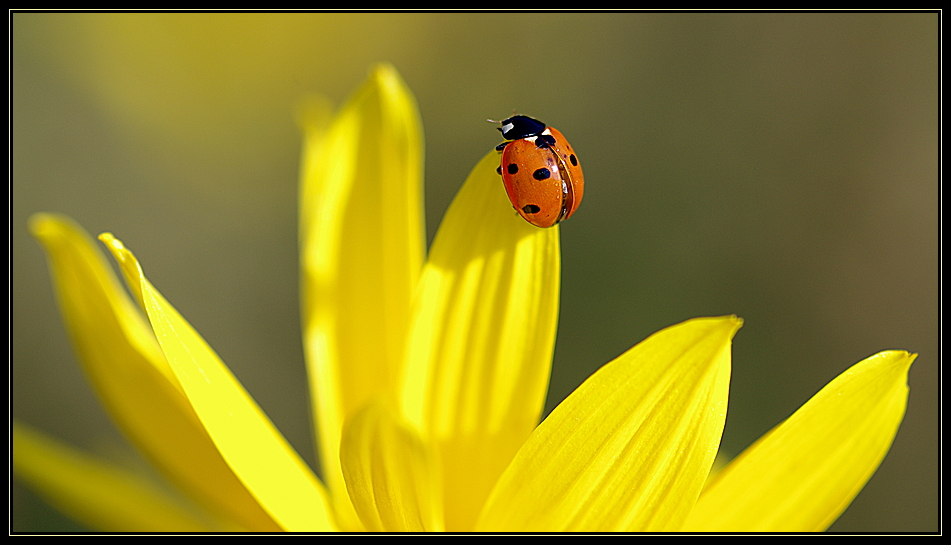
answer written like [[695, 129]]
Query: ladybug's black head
[[520, 126]]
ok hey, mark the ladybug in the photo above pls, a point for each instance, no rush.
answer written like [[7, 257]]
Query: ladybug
[[540, 171]]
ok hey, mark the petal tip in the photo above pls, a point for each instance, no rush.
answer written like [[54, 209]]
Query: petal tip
[[38, 223], [110, 239], [383, 71], [387, 81], [730, 323], [45, 226], [117, 248], [898, 359], [127, 262], [901, 359]]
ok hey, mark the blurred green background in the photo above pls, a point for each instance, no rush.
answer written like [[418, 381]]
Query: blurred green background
[[782, 167]]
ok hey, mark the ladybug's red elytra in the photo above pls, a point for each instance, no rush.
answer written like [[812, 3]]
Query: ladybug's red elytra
[[540, 170]]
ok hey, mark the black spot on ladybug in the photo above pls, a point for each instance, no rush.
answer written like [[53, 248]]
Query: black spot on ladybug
[[542, 174], [544, 141], [573, 159], [512, 168], [499, 170], [531, 209]]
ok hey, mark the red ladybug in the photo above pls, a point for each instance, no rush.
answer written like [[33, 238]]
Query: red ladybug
[[540, 170]]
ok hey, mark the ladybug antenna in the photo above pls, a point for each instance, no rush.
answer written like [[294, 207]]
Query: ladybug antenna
[[497, 122], [514, 113]]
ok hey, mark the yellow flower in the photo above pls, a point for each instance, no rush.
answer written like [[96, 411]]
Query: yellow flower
[[428, 374]]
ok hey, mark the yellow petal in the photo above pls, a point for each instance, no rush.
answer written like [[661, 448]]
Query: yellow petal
[[247, 440], [628, 450], [97, 494], [801, 475], [123, 361], [482, 339], [391, 475], [362, 244]]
